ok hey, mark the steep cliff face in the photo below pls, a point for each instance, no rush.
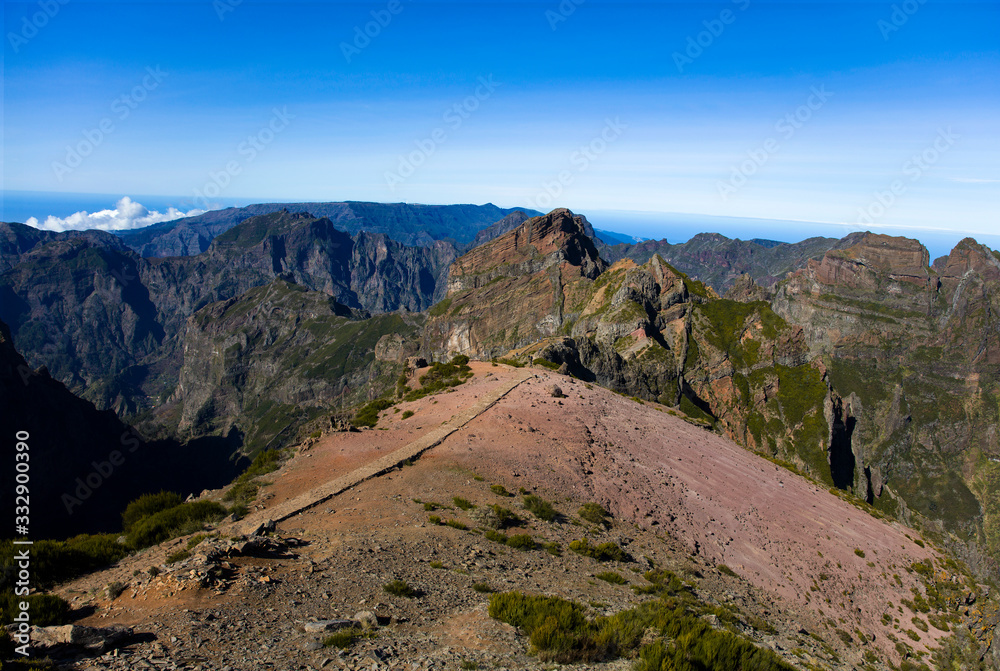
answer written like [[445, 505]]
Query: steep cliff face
[[86, 464], [912, 352], [107, 322], [541, 291], [278, 356]]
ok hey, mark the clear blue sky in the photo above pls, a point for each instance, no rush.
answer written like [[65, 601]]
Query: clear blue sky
[[682, 132]]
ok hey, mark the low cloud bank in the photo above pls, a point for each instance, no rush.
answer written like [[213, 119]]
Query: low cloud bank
[[127, 215]]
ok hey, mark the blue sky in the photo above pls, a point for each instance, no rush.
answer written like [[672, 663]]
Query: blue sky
[[837, 115]]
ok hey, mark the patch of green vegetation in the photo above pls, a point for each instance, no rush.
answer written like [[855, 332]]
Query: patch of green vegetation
[[511, 362], [345, 638], [500, 490], [440, 377], [594, 513], [688, 407], [495, 536], [601, 552], [400, 588], [368, 414], [545, 363], [521, 542], [559, 631], [179, 520], [462, 504], [180, 555], [440, 309], [148, 504], [482, 588], [725, 570], [540, 508], [407, 414], [455, 524], [44, 609], [611, 577]]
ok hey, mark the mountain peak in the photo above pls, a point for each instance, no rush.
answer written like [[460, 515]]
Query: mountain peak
[[559, 237]]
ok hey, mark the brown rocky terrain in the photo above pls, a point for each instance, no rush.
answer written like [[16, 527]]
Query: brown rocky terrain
[[761, 544]]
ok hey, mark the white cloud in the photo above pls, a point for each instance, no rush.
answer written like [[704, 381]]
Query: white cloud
[[127, 214]]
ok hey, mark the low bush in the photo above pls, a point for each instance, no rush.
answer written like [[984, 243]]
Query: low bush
[[407, 414], [521, 542], [540, 508], [400, 588], [500, 490], [180, 555], [495, 536], [482, 588], [601, 552], [114, 589], [146, 505], [611, 577], [177, 521], [461, 503], [496, 517], [345, 638], [593, 513], [45, 609], [368, 414], [455, 524], [725, 570]]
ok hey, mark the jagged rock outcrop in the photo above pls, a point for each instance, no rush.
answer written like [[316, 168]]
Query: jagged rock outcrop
[[912, 353], [107, 322], [542, 292]]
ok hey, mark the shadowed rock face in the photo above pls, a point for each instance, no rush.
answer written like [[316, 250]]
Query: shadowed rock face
[[86, 463], [912, 351], [107, 322]]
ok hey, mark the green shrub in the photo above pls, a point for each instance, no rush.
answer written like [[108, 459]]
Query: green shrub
[[545, 363], [180, 555], [467, 665], [464, 504], [914, 636], [559, 631], [45, 609], [431, 505], [344, 638], [500, 490], [859, 552], [482, 588], [368, 414], [521, 542], [540, 508], [919, 624], [495, 536], [593, 513], [153, 571], [172, 522], [727, 571], [407, 414], [553, 549], [434, 519], [57, 561], [113, 590], [511, 362], [437, 564], [455, 524], [400, 588], [611, 577], [146, 505], [601, 552]]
